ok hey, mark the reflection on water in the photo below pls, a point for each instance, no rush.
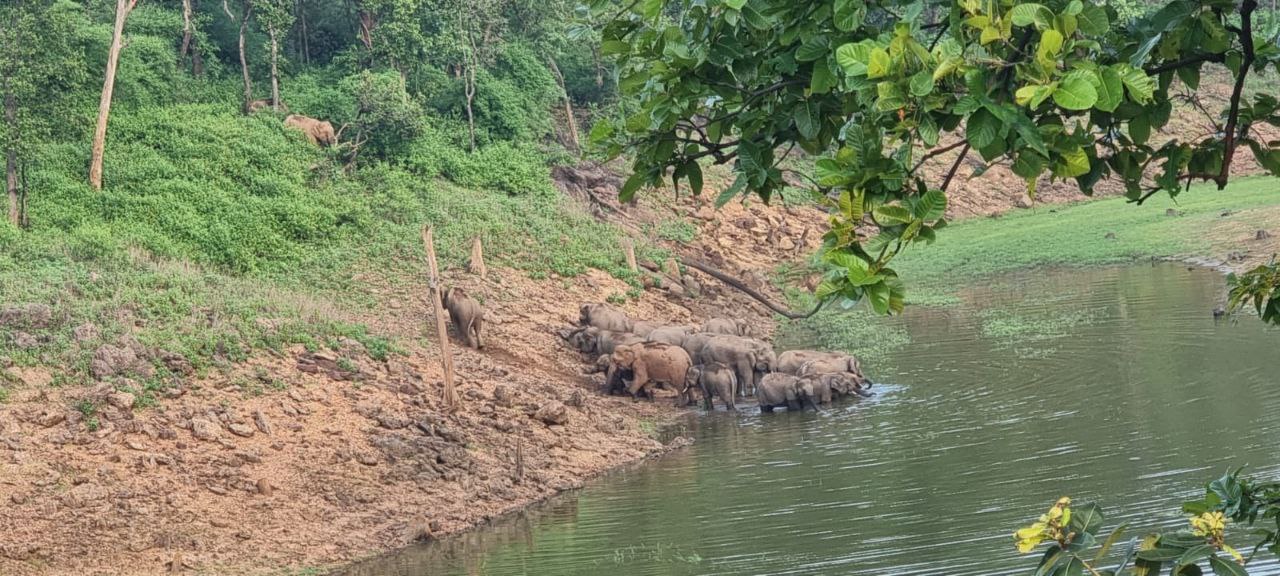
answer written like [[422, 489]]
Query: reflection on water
[[1112, 384]]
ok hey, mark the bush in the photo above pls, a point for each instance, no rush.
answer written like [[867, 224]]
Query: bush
[[386, 119], [516, 169]]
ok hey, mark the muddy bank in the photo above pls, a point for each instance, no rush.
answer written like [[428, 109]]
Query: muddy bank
[[314, 459]]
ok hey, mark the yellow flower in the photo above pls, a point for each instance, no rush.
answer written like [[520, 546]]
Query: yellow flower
[[1048, 527], [1210, 525]]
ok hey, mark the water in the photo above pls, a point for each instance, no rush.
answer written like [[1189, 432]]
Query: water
[[1113, 385]]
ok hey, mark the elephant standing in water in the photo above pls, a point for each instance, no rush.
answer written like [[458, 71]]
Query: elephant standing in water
[[749, 359], [779, 390], [714, 379]]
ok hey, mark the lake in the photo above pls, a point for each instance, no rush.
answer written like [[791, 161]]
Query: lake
[[1113, 385]]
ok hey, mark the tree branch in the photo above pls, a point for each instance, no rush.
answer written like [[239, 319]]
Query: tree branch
[[1197, 59], [936, 152], [734, 282], [955, 166], [1229, 137]]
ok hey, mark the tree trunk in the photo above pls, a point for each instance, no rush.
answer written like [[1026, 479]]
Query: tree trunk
[[470, 78], [302, 19], [123, 7], [568, 104], [451, 400], [244, 62], [186, 32], [275, 76], [11, 156]]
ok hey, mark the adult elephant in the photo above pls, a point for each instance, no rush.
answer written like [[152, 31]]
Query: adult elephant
[[654, 363], [778, 390], [592, 340], [730, 326], [749, 359], [674, 335], [604, 317], [800, 362]]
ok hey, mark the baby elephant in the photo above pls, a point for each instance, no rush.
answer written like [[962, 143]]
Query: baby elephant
[[467, 316], [714, 379], [778, 390]]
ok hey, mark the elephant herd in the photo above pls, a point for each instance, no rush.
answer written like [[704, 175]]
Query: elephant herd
[[718, 359]]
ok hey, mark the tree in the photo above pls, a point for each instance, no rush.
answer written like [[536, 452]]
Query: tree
[[245, 14], [877, 92], [277, 17], [123, 8]]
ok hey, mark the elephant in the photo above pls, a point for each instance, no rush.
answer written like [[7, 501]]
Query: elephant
[[604, 317], [827, 387], [779, 390], [714, 379], [642, 328], [318, 132], [265, 104], [843, 363], [730, 326], [674, 335], [750, 359], [467, 316], [592, 340], [654, 362]]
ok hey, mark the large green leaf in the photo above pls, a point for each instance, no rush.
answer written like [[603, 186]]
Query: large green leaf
[[735, 4], [817, 47], [922, 83], [1162, 554], [982, 128], [878, 295], [849, 14], [1086, 518], [1072, 567], [807, 119], [878, 64], [1075, 92], [931, 206], [1141, 86], [853, 57], [891, 215], [1092, 20], [1029, 14], [1226, 567], [731, 192], [693, 172], [1110, 90]]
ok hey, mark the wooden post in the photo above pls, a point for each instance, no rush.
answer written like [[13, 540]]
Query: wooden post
[[476, 265], [519, 461], [630, 249], [451, 400]]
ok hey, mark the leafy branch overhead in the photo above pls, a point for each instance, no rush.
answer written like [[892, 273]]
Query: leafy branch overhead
[[876, 90]]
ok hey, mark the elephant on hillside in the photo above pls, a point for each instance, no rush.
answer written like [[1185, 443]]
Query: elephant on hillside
[[654, 362], [467, 316], [779, 390], [714, 379], [319, 132], [674, 335], [592, 340], [730, 326], [604, 317]]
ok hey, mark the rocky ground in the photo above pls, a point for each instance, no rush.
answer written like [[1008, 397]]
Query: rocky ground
[[314, 459]]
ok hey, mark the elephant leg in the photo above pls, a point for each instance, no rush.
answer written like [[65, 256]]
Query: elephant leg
[[744, 372], [766, 408], [706, 398], [728, 394], [479, 325]]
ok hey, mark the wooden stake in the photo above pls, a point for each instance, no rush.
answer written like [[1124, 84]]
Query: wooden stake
[[476, 265], [519, 461], [451, 400], [672, 269], [630, 249]]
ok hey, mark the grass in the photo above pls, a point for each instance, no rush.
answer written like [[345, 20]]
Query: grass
[[219, 235], [1075, 235]]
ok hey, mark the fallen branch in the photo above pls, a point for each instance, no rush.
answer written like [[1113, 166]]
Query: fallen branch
[[735, 283]]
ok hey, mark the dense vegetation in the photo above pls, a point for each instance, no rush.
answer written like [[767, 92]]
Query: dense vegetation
[[217, 231]]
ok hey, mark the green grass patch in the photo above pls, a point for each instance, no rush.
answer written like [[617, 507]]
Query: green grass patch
[[1075, 235]]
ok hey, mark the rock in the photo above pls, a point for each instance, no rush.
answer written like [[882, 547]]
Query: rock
[[26, 315], [176, 363], [264, 487], [261, 421], [692, 286], [787, 244], [350, 348], [553, 412], [112, 360], [1022, 202], [85, 332], [50, 419], [674, 288], [240, 429], [1110, 236], [24, 341], [1172, 212], [203, 429], [576, 399], [121, 400], [705, 213], [367, 458], [504, 395], [1262, 235]]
